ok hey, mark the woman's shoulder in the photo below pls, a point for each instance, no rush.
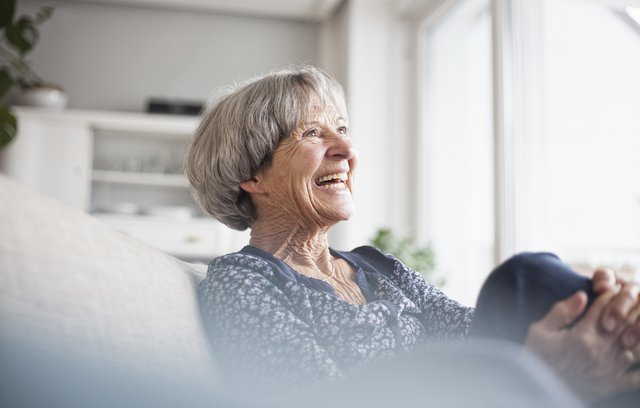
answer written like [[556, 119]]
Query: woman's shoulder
[[366, 253], [371, 258], [247, 267], [238, 269], [240, 280], [238, 261], [369, 251]]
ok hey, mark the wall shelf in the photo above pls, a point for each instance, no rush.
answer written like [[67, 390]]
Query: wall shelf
[[110, 164], [148, 179], [313, 10]]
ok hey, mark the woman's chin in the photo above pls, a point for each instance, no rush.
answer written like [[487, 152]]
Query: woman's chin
[[345, 213], [334, 207], [337, 214]]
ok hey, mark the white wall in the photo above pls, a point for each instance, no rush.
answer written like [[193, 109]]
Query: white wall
[[333, 44], [114, 57], [376, 70]]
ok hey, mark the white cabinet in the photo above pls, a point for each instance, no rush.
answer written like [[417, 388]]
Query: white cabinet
[[125, 169], [51, 155]]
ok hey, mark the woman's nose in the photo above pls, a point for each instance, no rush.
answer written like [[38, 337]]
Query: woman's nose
[[341, 147]]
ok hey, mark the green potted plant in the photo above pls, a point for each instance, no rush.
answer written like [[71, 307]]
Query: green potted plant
[[18, 36], [419, 258]]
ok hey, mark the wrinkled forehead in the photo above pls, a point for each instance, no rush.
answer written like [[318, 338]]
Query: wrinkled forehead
[[328, 110], [326, 114]]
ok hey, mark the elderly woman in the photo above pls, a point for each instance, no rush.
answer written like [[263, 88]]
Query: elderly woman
[[275, 155]]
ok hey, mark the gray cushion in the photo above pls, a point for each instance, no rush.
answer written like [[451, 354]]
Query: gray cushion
[[70, 285]]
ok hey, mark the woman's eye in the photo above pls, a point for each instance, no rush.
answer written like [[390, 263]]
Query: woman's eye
[[311, 133], [343, 130]]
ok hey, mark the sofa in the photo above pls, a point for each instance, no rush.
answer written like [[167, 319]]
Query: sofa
[[74, 290], [90, 317]]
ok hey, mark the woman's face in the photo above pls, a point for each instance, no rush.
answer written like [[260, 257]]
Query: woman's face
[[310, 179]]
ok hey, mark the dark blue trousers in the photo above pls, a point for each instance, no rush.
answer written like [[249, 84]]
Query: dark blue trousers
[[521, 291]]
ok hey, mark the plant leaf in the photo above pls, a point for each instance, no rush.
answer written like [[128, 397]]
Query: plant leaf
[[22, 34], [6, 81], [420, 259], [7, 11], [8, 126]]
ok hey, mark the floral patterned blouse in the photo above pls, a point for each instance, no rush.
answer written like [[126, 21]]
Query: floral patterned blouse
[[273, 328]]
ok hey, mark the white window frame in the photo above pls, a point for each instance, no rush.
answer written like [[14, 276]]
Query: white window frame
[[512, 23], [514, 29]]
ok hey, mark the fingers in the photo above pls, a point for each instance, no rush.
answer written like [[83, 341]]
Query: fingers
[[628, 356], [630, 337], [630, 381], [617, 310], [594, 313], [628, 360], [565, 312], [629, 347], [604, 279]]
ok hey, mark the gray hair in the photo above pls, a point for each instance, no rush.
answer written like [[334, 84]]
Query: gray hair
[[240, 130]]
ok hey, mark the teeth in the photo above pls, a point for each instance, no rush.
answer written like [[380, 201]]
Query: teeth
[[337, 176], [336, 186]]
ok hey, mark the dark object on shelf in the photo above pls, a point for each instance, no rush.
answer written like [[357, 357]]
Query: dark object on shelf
[[174, 107]]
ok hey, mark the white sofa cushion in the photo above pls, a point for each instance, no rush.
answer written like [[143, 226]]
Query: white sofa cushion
[[72, 286]]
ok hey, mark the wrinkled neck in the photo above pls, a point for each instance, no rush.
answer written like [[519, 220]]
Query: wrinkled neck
[[306, 250], [302, 248]]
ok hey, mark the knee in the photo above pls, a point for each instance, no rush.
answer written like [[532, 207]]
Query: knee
[[523, 269], [531, 260], [527, 263]]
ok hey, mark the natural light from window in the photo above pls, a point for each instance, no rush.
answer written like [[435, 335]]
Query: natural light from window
[[634, 13], [457, 192], [575, 109], [588, 165]]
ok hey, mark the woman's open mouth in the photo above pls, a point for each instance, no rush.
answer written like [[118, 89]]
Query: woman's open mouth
[[333, 181]]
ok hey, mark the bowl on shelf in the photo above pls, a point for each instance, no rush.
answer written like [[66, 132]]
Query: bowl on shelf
[[49, 96]]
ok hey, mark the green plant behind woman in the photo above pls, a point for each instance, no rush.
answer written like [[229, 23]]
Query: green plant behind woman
[[419, 258], [18, 36]]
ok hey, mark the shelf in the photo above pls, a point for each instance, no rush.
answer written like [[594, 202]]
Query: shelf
[[141, 220], [193, 239], [117, 161], [154, 125], [147, 179], [312, 10]]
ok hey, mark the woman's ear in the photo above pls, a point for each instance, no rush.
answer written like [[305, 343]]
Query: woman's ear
[[252, 186]]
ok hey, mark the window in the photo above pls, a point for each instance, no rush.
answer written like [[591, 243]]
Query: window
[[530, 137], [586, 171], [456, 154]]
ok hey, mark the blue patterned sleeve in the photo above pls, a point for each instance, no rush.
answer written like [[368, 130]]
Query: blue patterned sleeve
[[443, 317], [254, 328]]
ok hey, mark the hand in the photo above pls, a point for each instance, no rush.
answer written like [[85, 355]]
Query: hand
[[616, 312], [590, 360]]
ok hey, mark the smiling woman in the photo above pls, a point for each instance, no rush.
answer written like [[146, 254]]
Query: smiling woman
[[248, 125], [309, 176], [274, 155]]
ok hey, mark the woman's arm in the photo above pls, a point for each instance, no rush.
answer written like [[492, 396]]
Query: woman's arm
[[442, 317]]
